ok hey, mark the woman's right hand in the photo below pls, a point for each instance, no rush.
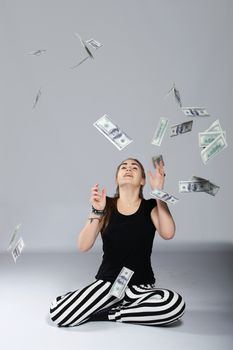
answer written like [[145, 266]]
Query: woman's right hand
[[98, 199]]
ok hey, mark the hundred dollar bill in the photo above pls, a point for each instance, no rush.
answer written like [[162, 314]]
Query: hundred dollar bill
[[112, 132], [157, 159], [206, 137], [94, 43], [37, 52], [213, 189], [160, 132], [85, 46], [215, 127], [37, 98], [119, 285], [193, 186], [216, 146], [182, 128], [18, 249], [78, 64], [176, 94], [195, 111], [164, 196], [17, 227]]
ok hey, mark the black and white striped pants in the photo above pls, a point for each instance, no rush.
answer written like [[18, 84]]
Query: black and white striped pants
[[142, 304]]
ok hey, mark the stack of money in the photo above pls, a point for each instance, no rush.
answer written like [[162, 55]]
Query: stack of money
[[111, 131], [16, 248], [198, 184], [212, 141]]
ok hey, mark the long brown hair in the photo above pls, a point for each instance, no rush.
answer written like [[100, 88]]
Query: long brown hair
[[112, 201]]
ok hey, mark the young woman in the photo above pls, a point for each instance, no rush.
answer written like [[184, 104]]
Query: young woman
[[127, 223]]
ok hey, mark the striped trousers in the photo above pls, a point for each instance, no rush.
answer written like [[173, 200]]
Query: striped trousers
[[141, 304]]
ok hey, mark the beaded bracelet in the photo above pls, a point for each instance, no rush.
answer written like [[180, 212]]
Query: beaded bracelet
[[97, 212], [91, 219]]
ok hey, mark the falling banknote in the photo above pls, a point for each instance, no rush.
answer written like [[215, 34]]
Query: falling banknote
[[112, 132], [160, 132], [37, 52], [206, 137], [215, 126], [215, 147], [94, 43], [17, 227], [119, 285], [164, 196], [213, 189], [195, 112], [198, 184], [18, 249], [85, 46], [176, 94], [157, 159], [37, 98], [193, 186], [182, 128]]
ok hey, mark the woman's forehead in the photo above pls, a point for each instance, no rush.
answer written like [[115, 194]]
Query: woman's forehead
[[130, 162]]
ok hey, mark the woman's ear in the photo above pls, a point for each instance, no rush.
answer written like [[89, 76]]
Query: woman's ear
[[143, 182]]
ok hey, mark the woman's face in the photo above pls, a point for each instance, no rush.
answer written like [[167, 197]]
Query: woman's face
[[130, 173]]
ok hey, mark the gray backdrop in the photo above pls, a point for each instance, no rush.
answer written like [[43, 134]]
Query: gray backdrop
[[52, 155]]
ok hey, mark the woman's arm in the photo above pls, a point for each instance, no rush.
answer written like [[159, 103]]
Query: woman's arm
[[160, 214], [163, 220], [93, 226], [89, 233]]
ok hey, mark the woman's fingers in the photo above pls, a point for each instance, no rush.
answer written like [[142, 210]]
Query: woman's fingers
[[149, 173]]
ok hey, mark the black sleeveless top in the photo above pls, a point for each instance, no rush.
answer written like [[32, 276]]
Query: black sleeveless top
[[127, 241]]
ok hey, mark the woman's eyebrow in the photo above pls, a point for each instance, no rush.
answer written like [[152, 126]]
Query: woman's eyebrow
[[131, 164]]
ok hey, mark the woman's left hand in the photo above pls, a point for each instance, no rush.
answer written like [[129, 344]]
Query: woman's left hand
[[157, 180]]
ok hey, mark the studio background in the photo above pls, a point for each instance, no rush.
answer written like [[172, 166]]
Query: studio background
[[52, 155]]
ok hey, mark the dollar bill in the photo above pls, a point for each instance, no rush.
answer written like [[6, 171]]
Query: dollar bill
[[182, 128], [213, 189], [78, 64], [120, 284], [206, 137], [214, 127], [157, 159], [16, 229], [176, 94], [112, 132], [164, 196], [37, 98], [94, 43], [37, 52], [215, 147], [16, 252], [85, 46], [160, 132], [193, 186], [195, 112]]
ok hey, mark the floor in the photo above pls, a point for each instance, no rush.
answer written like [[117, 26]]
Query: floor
[[201, 274]]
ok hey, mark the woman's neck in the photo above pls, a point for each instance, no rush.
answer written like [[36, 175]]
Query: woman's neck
[[129, 198]]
